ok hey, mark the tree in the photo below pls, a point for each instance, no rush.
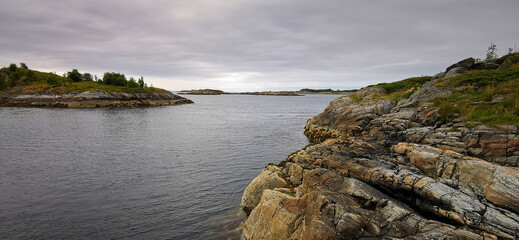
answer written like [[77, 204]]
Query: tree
[[12, 67], [141, 82], [24, 66], [74, 75], [492, 52], [87, 77]]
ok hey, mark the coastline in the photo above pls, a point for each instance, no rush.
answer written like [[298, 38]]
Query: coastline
[[91, 99], [388, 163]]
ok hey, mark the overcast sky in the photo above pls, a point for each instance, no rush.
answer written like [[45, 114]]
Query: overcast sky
[[238, 45]]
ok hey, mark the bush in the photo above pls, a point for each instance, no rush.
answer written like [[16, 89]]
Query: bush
[[116, 79], [3, 82], [87, 77], [53, 81], [74, 75], [14, 78], [29, 77], [12, 67], [132, 83]]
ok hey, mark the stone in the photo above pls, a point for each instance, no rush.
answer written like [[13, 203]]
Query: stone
[[270, 178], [379, 169], [277, 216], [465, 63]]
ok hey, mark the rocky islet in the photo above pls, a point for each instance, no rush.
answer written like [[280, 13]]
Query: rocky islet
[[89, 99]]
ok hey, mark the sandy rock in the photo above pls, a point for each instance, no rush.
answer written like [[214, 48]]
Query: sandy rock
[[277, 216], [270, 178]]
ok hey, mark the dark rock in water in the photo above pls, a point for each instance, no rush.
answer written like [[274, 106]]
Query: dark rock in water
[[381, 169]]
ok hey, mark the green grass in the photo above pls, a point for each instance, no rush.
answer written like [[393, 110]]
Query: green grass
[[64, 85], [474, 92], [405, 84], [94, 86], [397, 91], [481, 78]]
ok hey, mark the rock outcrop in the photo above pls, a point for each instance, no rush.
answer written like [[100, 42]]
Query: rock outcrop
[[17, 98], [389, 169]]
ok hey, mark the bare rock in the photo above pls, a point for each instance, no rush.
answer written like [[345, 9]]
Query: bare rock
[[270, 178]]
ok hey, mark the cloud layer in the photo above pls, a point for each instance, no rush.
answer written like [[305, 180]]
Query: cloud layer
[[238, 45]]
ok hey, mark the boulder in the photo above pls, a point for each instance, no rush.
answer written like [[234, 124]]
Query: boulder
[[270, 178]]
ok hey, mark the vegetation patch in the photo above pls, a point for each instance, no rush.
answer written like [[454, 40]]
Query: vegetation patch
[[397, 91], [32, 82], [487, 96]]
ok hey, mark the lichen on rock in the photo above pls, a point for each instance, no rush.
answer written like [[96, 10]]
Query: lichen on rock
[[380, 168]]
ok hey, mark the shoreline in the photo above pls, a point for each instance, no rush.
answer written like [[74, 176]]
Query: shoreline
[[98, 99], [385, 163]]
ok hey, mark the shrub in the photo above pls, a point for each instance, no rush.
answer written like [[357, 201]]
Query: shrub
[[116, 79], [132, 83], [12, 67], [74, 75], [3, 82], [53, 81]]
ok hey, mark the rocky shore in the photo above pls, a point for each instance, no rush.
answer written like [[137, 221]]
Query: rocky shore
[[88, 99], [392, 169]]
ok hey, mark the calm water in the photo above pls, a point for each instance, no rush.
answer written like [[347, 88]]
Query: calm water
[[174, 172]]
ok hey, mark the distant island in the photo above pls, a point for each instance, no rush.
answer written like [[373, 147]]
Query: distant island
[[273, 93], [23, 87], [202, 92], [268, 93], [324, 91]]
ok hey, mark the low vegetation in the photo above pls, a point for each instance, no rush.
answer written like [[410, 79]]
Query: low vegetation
[[488, 96], [397, 91], [31, 81]]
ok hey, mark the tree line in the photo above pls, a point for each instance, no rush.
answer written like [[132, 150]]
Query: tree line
[[14, 75]]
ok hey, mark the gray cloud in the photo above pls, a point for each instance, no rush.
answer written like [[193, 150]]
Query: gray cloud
[[254, 44]]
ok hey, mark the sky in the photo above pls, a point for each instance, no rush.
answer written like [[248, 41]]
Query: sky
[[254, 45]]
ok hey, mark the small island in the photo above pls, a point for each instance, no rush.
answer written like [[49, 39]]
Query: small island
[[23, 87], [202, 92], [273, 93], [324, 91]]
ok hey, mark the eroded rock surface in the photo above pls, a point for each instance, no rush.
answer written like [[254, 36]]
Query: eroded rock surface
[[392, 170]]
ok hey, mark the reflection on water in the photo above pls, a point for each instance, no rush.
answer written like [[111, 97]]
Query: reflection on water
[[174, 172]]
